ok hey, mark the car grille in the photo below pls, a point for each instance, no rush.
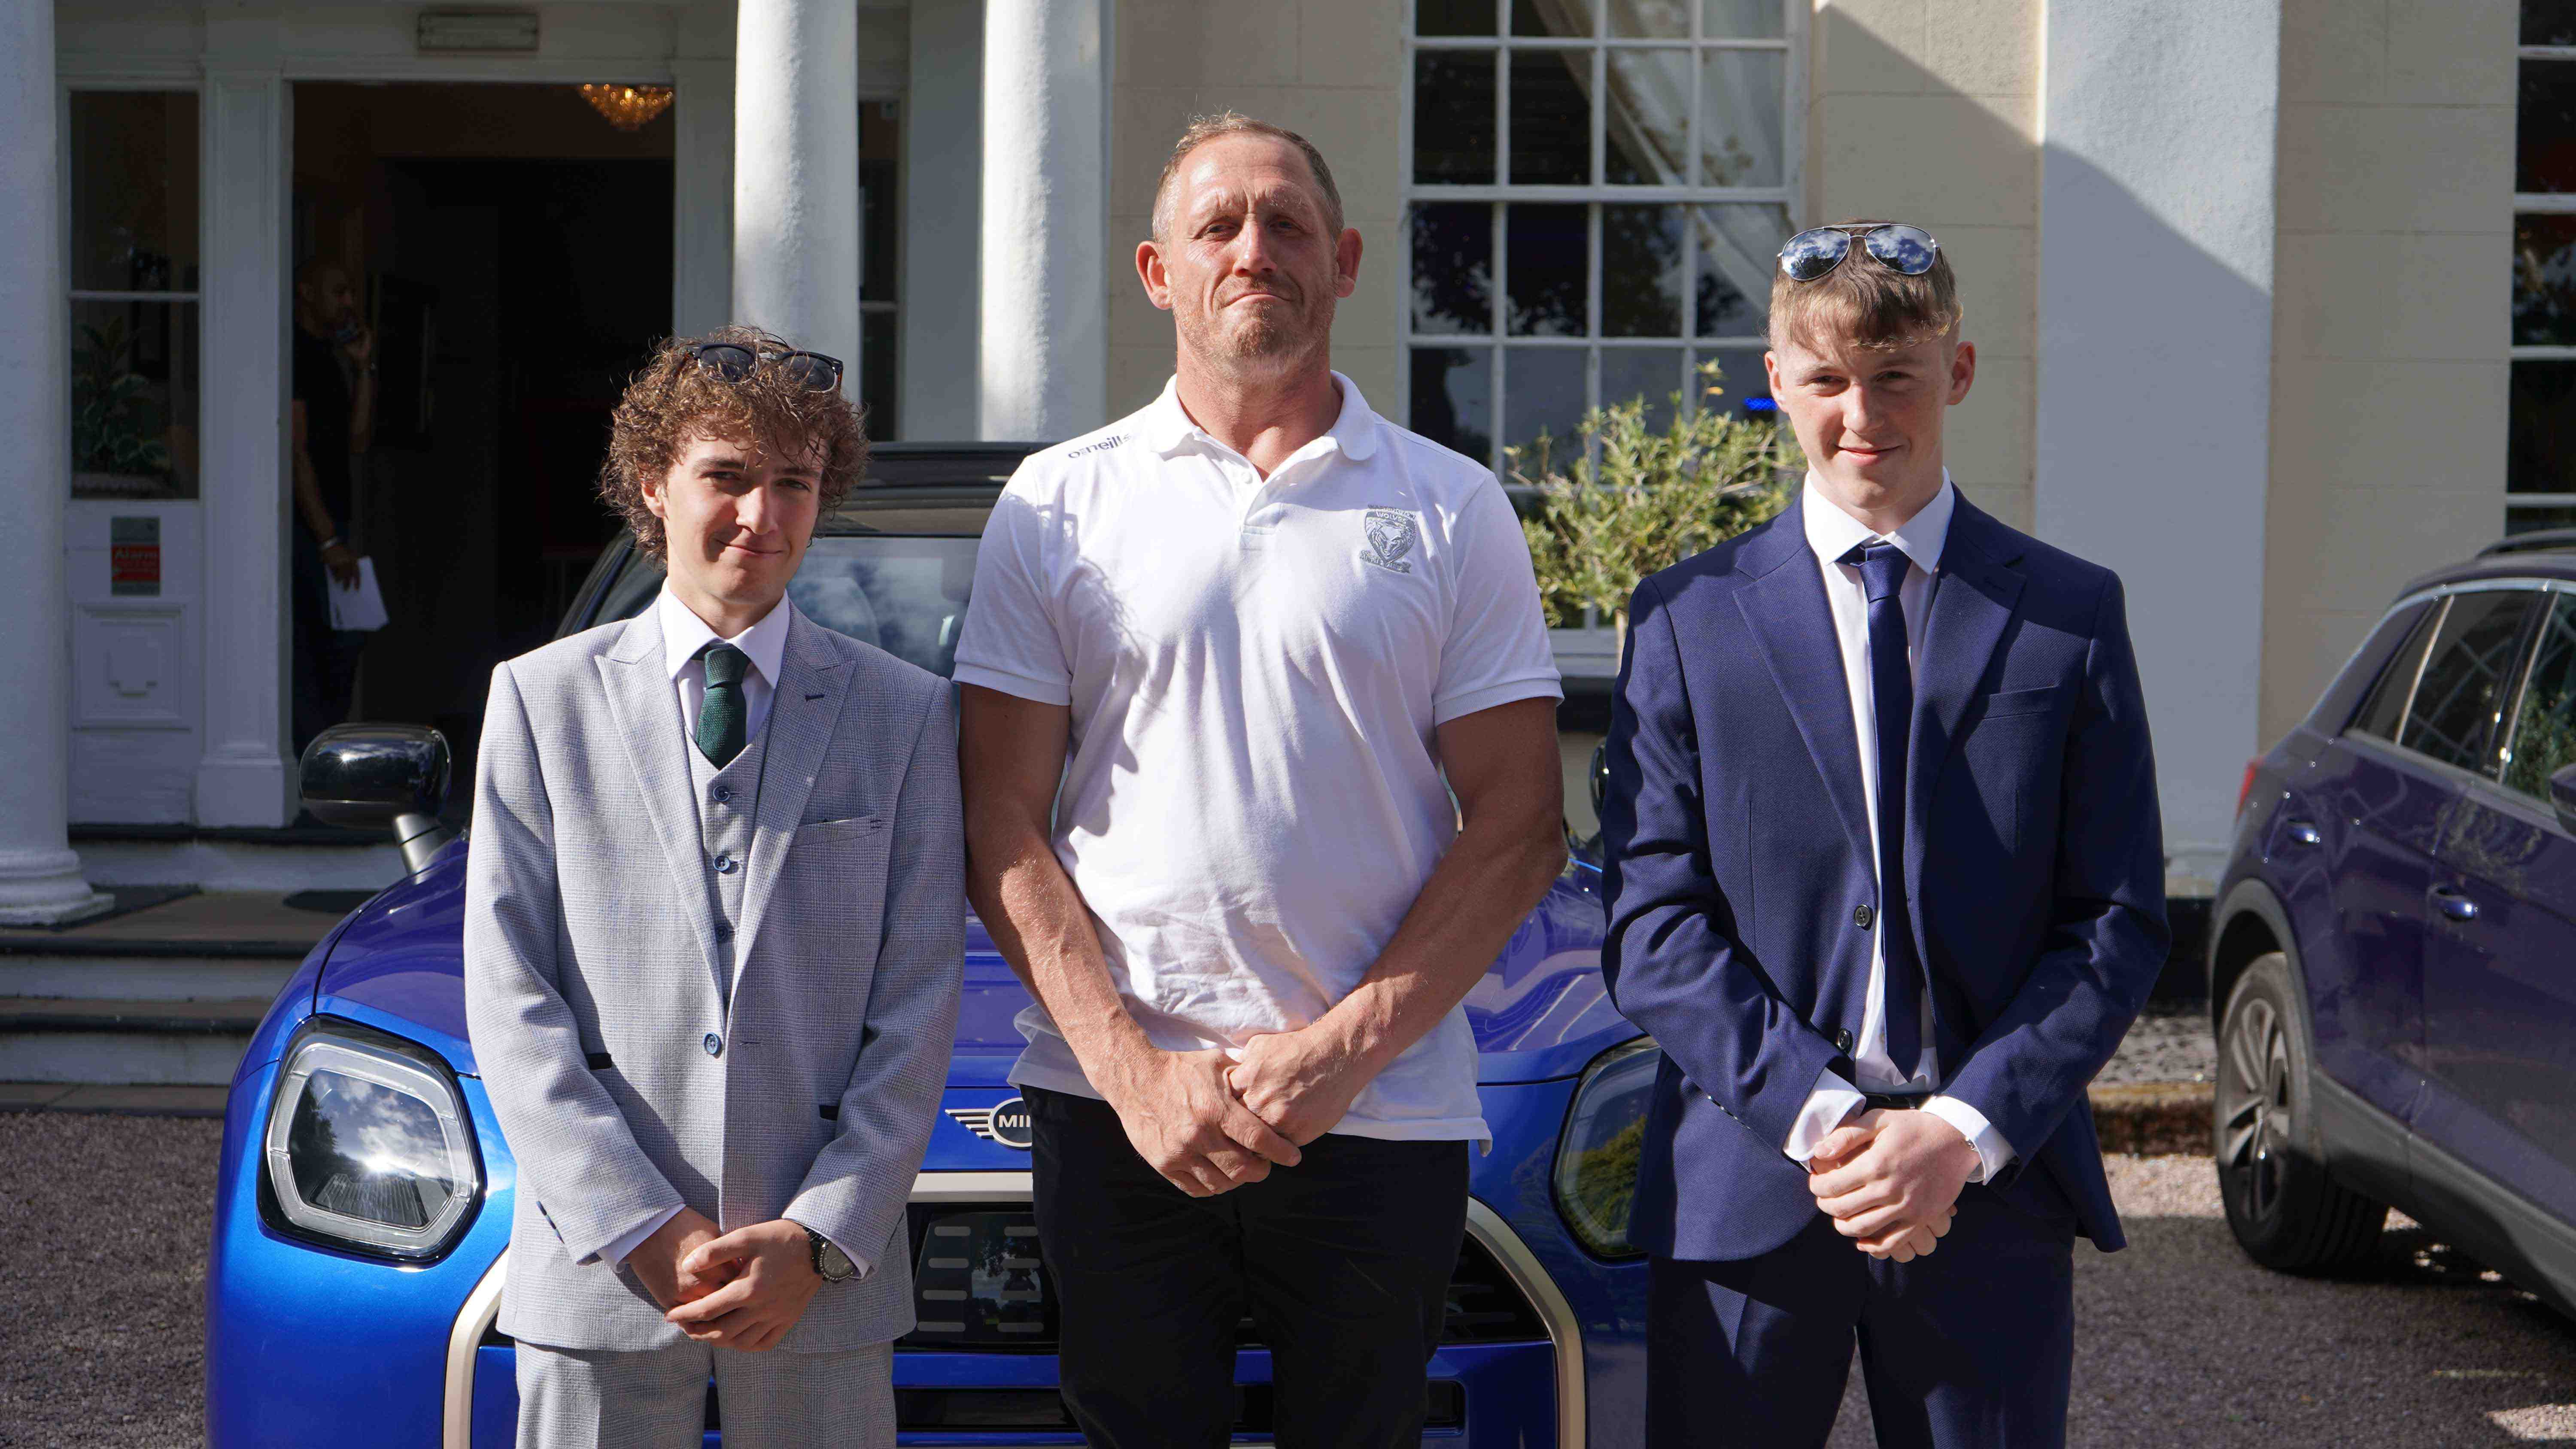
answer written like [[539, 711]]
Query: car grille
[[980, 1283]]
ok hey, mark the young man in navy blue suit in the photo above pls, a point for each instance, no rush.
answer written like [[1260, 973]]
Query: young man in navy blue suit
[[1886, 882]]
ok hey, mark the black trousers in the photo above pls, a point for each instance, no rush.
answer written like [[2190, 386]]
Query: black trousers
[[1342, 1263], [1970, 1348]]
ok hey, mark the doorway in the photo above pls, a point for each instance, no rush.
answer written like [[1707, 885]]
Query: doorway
[[511, 250]]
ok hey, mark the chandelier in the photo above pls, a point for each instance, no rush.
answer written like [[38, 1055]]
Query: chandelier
[[628, 107]]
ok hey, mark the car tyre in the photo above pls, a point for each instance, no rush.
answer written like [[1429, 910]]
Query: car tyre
[[2286, 1211]]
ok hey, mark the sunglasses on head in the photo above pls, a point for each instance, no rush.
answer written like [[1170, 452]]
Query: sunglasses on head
[[1906, 250], [735, 361]]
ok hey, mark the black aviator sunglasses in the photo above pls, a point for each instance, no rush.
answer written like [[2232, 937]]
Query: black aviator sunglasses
[[734, 361]]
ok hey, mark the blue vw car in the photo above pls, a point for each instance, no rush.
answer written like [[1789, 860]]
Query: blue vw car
[[363, 1211], [2393, 955]]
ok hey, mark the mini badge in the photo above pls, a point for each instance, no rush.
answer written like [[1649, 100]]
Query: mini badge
[[1390, 537]]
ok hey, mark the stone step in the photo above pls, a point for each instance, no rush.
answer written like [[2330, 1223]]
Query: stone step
[[156, 1043]]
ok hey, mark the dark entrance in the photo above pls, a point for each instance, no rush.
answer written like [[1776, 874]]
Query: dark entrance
[[512, 249]]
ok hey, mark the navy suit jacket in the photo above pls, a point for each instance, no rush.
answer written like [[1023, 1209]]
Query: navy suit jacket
[[1738, 856]]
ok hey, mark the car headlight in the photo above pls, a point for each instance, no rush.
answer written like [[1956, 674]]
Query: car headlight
[[1596, 1157], [368, 1146]]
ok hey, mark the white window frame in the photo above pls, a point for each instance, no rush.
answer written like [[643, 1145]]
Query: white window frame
[[1792, 44], [2543, 203]]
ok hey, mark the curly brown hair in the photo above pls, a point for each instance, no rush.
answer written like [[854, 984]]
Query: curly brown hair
[[674, 402]]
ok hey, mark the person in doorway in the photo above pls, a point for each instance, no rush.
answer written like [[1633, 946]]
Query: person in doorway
[[713, 933], [1249, 631], [330, 420], [1885, 881]]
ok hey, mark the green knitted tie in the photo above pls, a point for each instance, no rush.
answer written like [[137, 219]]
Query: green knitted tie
[[721, 715]]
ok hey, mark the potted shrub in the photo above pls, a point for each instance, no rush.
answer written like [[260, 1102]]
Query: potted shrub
[[117, 445]]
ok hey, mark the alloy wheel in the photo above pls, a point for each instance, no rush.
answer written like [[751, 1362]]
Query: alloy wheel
[[2254, 1133]]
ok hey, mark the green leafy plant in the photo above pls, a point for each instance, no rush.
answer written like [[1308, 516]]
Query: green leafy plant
[[1653, 497], [116, 428]]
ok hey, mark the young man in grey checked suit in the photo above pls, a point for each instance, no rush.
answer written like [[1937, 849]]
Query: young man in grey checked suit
[[712, 943]]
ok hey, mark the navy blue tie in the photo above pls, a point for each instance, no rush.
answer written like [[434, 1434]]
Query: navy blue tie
[[1891, 687]]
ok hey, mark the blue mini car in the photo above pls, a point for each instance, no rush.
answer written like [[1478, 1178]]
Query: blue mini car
[[2393, 955], [363, 1214]]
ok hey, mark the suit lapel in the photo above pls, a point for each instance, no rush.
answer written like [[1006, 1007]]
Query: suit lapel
[[647, 715], [1786, 610], [802, 711], [1972, 604]]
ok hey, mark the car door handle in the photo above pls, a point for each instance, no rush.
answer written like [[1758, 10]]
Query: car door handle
[[2455, 904], [2302, 832]]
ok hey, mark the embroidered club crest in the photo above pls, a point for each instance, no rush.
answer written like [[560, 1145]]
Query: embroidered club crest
[[1391, 536]]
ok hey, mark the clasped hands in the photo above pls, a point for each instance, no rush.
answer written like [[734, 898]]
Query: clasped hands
[[742, 1289], [1211, 1121], [1890, 1180]]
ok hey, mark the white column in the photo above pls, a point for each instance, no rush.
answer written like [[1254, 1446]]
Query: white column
[[2159, 128], [941, 139], [1043, 325], [796, 174], [702, 217], [40, 877], [245, 778]]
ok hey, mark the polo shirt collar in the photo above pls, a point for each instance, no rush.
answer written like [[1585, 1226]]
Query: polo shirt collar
[[1832, 532], [684, 634], [1167, 427]]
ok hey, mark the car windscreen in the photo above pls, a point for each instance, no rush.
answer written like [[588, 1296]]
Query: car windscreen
[[904, 593]]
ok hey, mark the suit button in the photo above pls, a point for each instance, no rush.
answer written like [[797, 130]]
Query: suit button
[[1864, 917], [1842, 1039], [715, 1045], [725, 863], [724, 929], [722, 793]]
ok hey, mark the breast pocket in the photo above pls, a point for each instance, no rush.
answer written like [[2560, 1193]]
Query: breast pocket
[[815, 834], [2006, 703]]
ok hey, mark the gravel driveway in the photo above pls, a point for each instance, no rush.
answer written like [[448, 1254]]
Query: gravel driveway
[[2181, 1341]]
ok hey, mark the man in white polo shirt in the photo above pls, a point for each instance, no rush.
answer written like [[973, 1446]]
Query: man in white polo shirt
[[1260, 637]]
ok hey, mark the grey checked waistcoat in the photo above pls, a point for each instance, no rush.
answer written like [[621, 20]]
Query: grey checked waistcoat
[[728, 812]]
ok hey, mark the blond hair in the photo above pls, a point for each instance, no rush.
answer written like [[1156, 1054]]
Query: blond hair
[[1866, 302], [1227, 123]]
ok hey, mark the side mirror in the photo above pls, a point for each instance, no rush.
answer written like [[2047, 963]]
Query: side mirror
[[2562, 796], [381, 777]]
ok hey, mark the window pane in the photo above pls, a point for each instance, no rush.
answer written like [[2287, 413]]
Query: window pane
[[134, 399], [1453, 116], [1548, 253], [2387, 705], [1641, 271], [1543, 393], [880, 143], [2532, 520], [2540, 447], [1453, 398], [1453, 268], [1551, 117], [1649, 124], [2544, 279], [2545, 128], [1650, 19], [2549, 22], [1743, 384], [877, 373], [1743, 20], [1739, 117], [1652, 373], [1453, 17], [2463, 685], [1739, 248], [1554, 17], [2544, 732], [133, 191]]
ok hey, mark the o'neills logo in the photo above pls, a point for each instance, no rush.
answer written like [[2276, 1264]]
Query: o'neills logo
[[1387, 536], [1005, 1122]]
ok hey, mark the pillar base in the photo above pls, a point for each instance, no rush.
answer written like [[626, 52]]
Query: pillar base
[[244, 787], [46, 889]]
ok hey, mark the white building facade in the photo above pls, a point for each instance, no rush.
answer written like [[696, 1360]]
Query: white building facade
[[2237, 270]]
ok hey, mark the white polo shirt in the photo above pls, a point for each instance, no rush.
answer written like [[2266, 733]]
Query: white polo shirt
[[1256, 668]]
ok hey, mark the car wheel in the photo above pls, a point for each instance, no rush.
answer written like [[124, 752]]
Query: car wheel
[[2287, 1213]]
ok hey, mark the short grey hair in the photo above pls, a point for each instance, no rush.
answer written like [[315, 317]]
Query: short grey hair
[[1227, 123]]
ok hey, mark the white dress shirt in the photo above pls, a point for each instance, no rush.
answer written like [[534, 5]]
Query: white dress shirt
[[1831, 533], [683, 635]]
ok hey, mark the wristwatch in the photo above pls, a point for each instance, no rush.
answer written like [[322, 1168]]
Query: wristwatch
[[830, 1263]]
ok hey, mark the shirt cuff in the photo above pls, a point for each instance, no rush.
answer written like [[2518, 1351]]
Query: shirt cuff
[[1994, 1154], [1827, 1105], [617, 1250]]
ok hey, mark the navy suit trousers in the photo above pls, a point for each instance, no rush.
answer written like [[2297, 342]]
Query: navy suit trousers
[[1970, 1348]]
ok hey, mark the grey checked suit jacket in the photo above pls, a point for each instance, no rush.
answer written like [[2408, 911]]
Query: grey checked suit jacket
[[589, 930]]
